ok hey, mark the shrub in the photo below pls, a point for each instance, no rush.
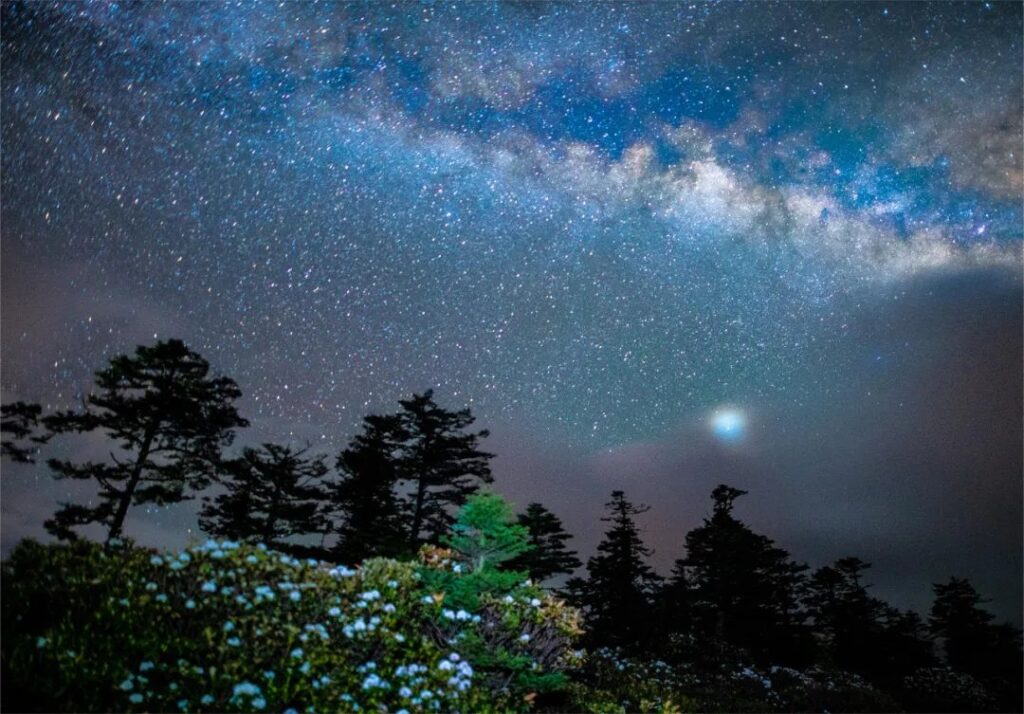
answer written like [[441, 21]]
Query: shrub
[[229, 627], [941, 689]]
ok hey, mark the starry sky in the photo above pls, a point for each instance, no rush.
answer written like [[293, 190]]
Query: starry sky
[[653, 246]]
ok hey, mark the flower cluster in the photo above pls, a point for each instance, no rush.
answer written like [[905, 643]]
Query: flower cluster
[[223, 626]]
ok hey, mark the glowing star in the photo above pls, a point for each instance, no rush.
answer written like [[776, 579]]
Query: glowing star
[[728, 424]]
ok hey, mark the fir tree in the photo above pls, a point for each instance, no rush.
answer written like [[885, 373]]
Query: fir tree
[[365, 500], [485, 533], [272, 494], [171, 420], [957, 618], [484, 539], [548, 555], [745, 590], [20, 427], [844, 613], [618, 590], [440, 462]]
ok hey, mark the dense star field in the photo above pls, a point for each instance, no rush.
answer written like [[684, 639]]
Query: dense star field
[[654, 246]]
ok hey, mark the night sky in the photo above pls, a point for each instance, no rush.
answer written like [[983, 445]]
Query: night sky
[[654, 246]]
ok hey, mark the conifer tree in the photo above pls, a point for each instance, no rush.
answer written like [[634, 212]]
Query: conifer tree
[[903, 647], [548, 554], [440, 462], [745, 590], [20, 428], [170, 420], [272, 494], [484, 539], [369, 509], [618, 590], [850, 620]]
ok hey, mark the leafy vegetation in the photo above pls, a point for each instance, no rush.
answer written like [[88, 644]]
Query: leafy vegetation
[[400, 586]]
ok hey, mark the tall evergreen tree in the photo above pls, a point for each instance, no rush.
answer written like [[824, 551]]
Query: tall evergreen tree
[[365, 499], [171, 420], [957, 618], [548, 554], [674, 602], [851, 621], [20, 428], [744, 589], [973, 644], [272, 494], [441, 464], [617, 593], [903, 647]]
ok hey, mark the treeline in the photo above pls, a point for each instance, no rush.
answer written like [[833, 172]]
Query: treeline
[[734, 595], [393, 488]]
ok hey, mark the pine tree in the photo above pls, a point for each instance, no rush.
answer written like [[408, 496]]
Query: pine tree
[[548, 555], [171, 420], [618, 590], [848, 618], [976, 646], [272, 494], [902, 648], [484, 539], [745, 590], [19, 425], [485, 533], [441, 464], [370, 511], [957, 618]]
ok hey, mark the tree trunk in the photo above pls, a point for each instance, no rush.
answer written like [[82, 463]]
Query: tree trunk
[[417, 516], [271, 524], [126, 496]]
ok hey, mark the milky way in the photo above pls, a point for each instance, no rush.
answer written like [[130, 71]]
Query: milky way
[[595, 224]]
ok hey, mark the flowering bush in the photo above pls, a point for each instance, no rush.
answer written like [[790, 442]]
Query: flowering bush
[[612, 682], [228, 627], [940, 689]]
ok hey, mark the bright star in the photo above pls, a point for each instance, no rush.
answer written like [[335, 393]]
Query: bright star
[[729, 424]]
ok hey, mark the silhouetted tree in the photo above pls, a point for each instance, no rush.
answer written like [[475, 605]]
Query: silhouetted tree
[[548, 554], [616, 595], [674, 602], [850, 620], [975, 646], [20, 428], [170, 420], [744, 590], [370, 511], [902, 648], [272, 494], [963, 626], [441, 464]]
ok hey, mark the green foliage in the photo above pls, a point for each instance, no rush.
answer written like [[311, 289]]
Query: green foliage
[[483, 537], [609, 681], [230, 627], [485, 533]]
